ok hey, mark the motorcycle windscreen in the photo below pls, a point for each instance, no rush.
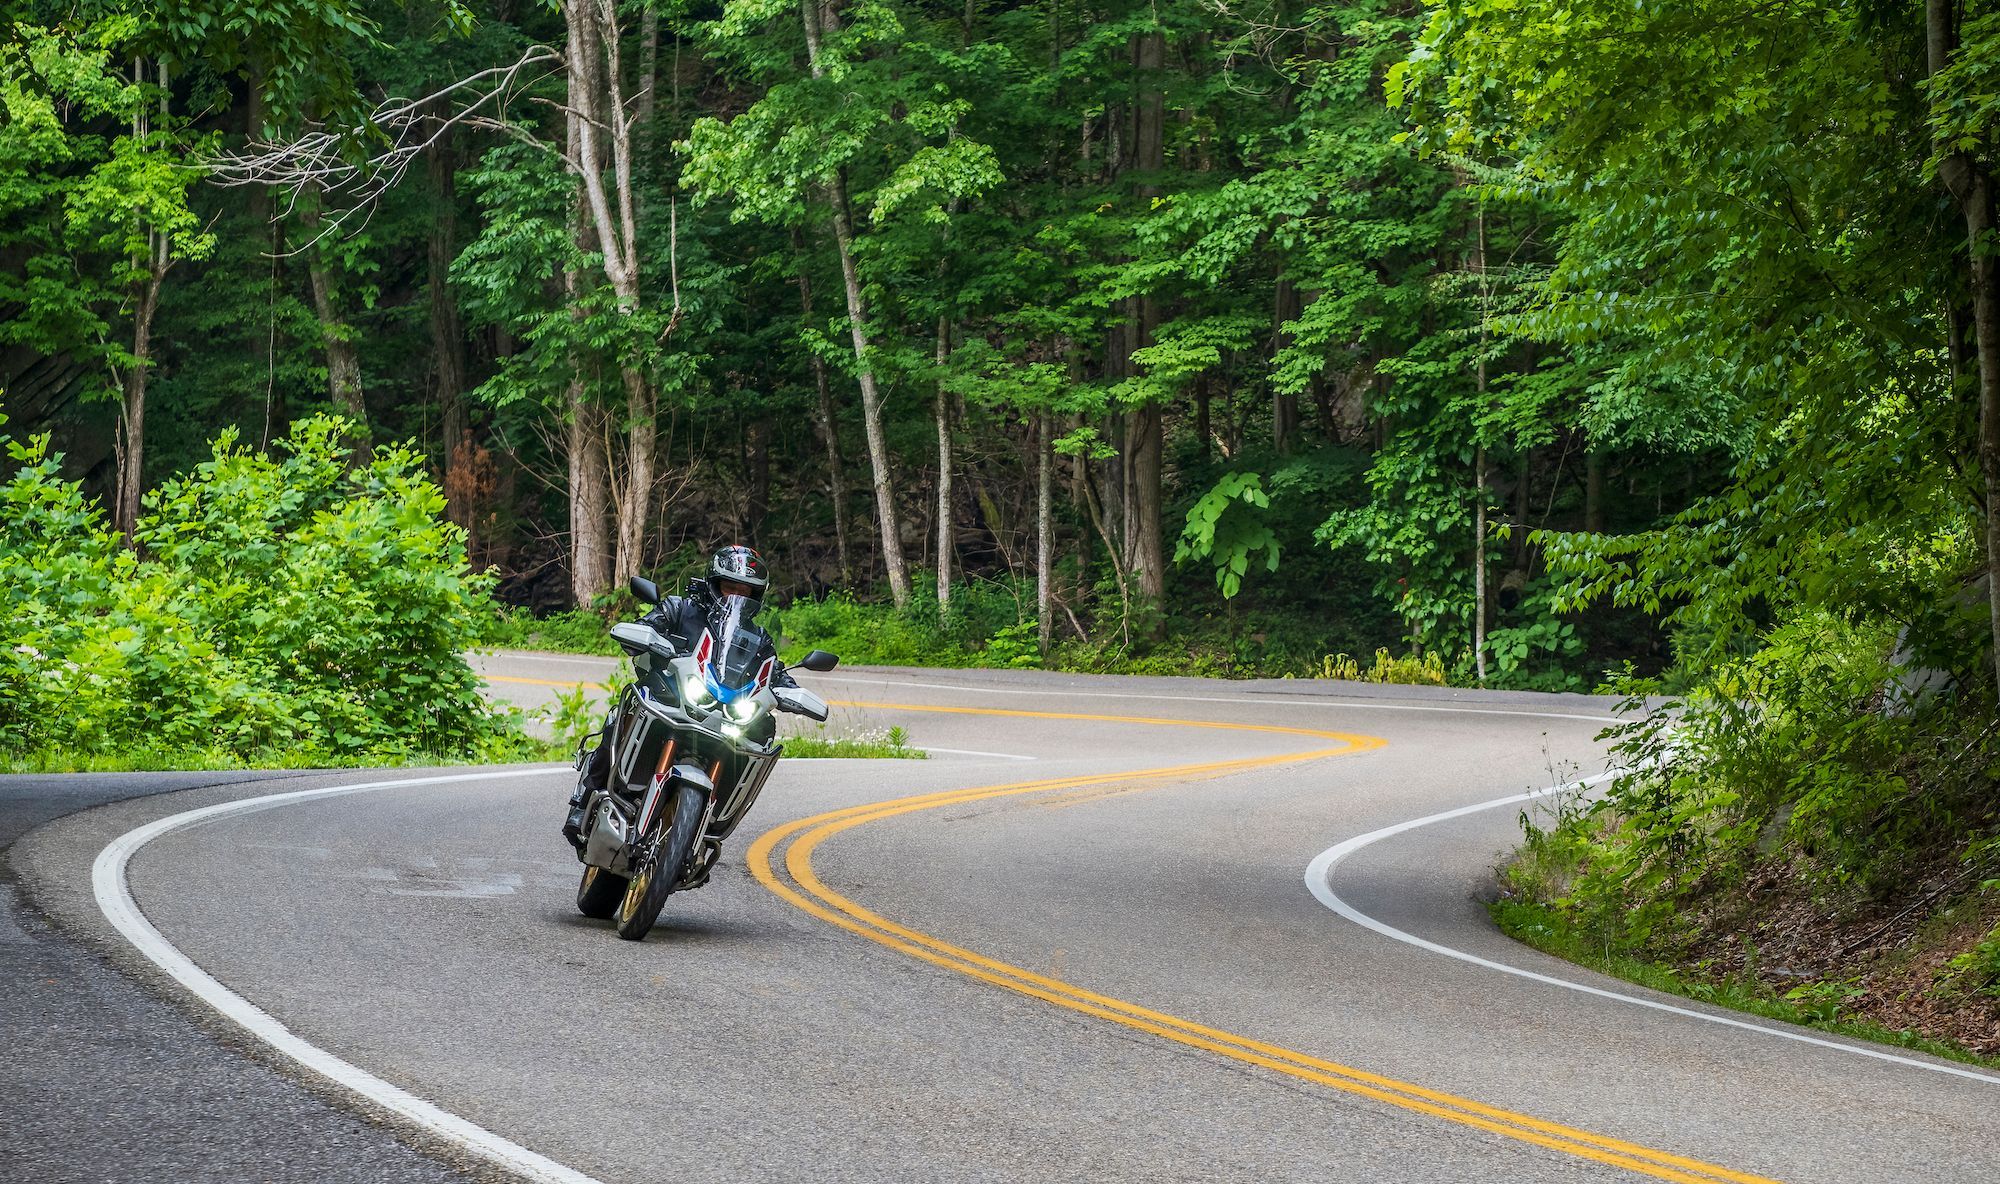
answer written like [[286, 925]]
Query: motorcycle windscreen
[[737, 665]]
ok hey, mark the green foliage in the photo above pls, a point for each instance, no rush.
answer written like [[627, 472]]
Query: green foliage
[[1416, 670], [1805, 755], [991, 626], [1222, 526], [575, 717], [875, 744], [572, 631], [1979, 967], [878, 635], [285, 603], [84, 182]]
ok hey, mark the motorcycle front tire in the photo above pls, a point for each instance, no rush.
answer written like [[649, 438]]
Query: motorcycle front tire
[[598, 894], [646, 893]]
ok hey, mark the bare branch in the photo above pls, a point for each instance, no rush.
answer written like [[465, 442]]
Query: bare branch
[[404, 129]]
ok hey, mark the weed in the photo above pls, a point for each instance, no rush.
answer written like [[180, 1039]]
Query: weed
[[1415, 670], [892, 743]]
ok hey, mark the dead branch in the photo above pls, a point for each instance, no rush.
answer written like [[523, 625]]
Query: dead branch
[[400, 131]]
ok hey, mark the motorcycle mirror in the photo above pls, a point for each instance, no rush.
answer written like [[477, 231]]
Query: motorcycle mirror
[[646, 590], [818, 661]]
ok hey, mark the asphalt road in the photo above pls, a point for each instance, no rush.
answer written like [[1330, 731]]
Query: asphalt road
[[102, 1080], [1102, 962]]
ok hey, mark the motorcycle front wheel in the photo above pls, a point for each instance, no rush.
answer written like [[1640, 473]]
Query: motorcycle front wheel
[[598, 894], [646, 892]]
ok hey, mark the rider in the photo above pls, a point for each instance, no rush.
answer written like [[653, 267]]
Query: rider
[[736, 579]]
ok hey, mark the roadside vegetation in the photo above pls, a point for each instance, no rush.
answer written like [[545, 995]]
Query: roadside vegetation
[[1652, 349], [817, 740], [1810, 828], [988, 629], [287, 609]]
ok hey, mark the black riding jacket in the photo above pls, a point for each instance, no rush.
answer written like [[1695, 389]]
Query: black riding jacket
[[685, 619]]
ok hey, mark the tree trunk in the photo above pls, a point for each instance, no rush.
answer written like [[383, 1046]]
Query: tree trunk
[[1971, 185], [1203, 396], [1284, 407], [857, 320], [128, 441], [946, 537], [1593, 492], [1145, 440], [1045, 535], [1479, 469], [635, 493], [1099, 522], [131, 437], [591, 559], [1479, 552], [343, 360], [1145, 426], [758, 443], [447, 331], [1523, 506], [829, 427], [601, 140], [589, 497], [871, 402]]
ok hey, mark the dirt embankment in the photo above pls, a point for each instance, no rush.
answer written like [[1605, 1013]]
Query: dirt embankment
[[1887, 963]]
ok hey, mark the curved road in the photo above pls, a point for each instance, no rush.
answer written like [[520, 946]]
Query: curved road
[[1075, 944]]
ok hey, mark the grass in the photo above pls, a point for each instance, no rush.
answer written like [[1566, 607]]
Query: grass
[[511, 745], [1813, 1005], [890, 744], [575, 631]]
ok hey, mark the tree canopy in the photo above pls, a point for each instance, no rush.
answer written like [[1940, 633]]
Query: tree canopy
[[1553, 342]]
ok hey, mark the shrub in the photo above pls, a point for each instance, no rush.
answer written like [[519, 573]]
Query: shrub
[[284, 602], [1803, 753]]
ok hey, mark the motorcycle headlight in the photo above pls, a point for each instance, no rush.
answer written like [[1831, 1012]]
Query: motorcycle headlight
[[744, 710], [693, 689]]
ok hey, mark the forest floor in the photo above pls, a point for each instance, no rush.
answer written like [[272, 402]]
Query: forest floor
[[1887, 964], [1780, 947]]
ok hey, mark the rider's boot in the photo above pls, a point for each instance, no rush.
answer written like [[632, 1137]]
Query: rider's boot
[[573, 825], [594, 771]]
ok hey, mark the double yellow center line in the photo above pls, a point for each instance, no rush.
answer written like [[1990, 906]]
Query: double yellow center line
[[800, 885], [807, 891]]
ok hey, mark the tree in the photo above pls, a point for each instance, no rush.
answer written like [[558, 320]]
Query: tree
[[100, 218], [1754, 218], [789, 159]]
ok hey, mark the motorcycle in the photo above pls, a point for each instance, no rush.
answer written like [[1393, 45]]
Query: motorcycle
[[690, 745]]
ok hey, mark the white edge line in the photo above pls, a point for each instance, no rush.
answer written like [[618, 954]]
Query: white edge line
[[1319, 875], [1005, 756], [114, 897]]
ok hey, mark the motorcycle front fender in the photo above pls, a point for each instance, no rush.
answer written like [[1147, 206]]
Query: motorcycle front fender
[[680, 774]]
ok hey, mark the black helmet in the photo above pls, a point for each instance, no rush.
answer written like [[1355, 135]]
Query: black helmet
[[740, 565]]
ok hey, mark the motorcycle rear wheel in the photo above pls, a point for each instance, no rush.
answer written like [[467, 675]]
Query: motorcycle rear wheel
[[598, 894], [647, 891]]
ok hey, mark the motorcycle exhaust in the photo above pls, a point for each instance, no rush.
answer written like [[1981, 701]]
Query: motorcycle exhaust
[[606, 846]]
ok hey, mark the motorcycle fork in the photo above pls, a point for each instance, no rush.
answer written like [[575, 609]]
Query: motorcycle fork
[[655, 789]]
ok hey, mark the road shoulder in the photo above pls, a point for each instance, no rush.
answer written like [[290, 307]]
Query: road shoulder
[[109, 1078]]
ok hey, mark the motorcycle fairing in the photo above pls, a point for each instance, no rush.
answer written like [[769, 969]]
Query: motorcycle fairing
[[730, 654]]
